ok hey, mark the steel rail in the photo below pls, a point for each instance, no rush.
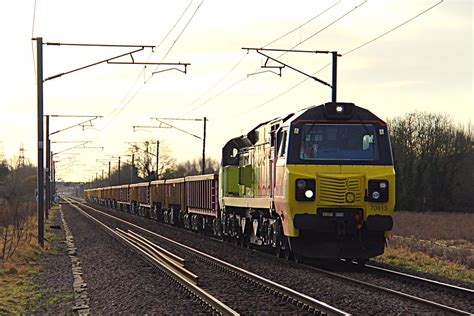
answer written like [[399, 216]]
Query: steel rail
[[152, 256], [147, 246], [212, 302], [310, 303], [367, 285], [447, 286], [169, 255]]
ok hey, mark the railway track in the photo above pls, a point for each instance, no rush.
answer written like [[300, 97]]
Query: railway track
[[433, 305], [403, 295], [466, 293], [461, 291], [170, 264], [295, 300]]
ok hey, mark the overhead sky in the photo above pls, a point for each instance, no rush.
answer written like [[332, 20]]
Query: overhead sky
[[424, 65]]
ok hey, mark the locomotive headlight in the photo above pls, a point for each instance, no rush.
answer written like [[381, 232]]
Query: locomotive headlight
[[375, 195], [305, 189], [383, 185], [339, 109]]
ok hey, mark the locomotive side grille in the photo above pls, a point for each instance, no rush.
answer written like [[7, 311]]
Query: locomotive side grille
[[334, 190]]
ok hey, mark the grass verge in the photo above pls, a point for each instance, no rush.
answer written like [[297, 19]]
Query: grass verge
[[19, 292], [421, 262]]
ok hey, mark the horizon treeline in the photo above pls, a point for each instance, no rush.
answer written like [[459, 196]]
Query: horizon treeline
[[433, 160], [434, 163]]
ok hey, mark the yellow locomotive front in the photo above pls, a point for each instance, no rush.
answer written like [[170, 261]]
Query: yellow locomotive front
[[334, 182]]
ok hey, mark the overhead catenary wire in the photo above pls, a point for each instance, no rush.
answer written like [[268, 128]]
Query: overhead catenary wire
[[302, 25], [182, 31], [325, 27], [215, 84], [347, 53], [142, 72], [222, 78], [301, 42], [392, 29], [32, 35], [126, 103]]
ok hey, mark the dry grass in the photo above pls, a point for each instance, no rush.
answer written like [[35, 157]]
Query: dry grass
[[17, 272], [421, 262], [463, 255], [435, 225], [439, 235]]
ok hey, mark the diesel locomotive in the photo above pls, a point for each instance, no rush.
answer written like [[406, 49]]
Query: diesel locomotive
[[319, 183]]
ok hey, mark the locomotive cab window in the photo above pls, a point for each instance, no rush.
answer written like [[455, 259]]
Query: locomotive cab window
[[338, 142], [282, 143]]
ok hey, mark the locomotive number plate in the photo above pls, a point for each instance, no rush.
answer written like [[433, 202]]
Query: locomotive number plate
[[379, 208]]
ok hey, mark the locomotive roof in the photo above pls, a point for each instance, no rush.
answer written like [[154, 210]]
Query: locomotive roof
[[139, 184], [210, 176], [328, 113]]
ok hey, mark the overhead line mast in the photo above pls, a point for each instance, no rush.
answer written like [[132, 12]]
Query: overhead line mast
[[40, 80], [353, 50], [334, 54]]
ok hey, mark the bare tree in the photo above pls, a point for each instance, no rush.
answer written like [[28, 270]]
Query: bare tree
[[145, 159], [193, 167], [17, 195], [430, 154]]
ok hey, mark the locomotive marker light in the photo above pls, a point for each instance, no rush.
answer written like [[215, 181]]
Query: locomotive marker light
[[301, 184]]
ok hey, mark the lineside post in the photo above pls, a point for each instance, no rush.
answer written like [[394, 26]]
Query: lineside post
[[118, 175], [40, 170], [157, 158], [204, 148], [334, 77], [48, 169]]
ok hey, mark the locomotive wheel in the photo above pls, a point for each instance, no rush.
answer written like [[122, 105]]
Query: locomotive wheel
[[236, 240], [246, 242], [287, 253], [360, 264], [278, 250], [297, 258]]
